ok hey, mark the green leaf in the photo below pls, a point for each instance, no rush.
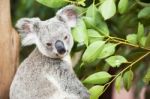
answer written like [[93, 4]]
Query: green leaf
[[127, 79], [93, 35], [94, 20], [118, 83], [108, 50], [146, 78], [98, 78], [78, 47], [96, 91], [90, 22], [80, 32], [99, 26], [132, 38], [116, 61], [142, 41], [144, 13], [140, 32], [81, 2], [92, 51], [53, 3], [101, 1], [147, 43], [80, 10], [107, 9], [123, 6], [92, 11]]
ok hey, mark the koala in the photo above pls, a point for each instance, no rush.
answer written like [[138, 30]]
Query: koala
[[47, 72]]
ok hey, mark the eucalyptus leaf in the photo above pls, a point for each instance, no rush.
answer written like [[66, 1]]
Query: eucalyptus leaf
[[53, 3], [147, 43], [80, 32], [96, 91], [101, 27], [80, 10], [93, 35], [81, 2], [143, 41], [109, 49], [123, 6], [92, 11], [92, 51], [116, 61], [78, 46], [144, 13], [118, 83], [140, 32], [101, 1], [94, 20], [98, 78], [132, 38], [90, 22], [146, 78], [107, 9], [127, 79]]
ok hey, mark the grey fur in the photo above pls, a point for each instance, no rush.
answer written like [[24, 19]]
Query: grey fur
[[45, 74]]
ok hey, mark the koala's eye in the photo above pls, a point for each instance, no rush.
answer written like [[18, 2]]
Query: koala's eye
[[49, 44], [65, 37]]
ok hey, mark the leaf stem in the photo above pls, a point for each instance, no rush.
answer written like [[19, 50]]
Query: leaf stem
[[117, 38], [125, 42], [129, 66], [142, 3]]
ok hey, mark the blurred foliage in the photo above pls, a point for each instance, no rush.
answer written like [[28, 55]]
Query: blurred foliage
[[111, 35], [30, 8]]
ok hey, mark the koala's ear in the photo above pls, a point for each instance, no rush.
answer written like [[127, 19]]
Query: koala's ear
[[26, 28], [68, 15]]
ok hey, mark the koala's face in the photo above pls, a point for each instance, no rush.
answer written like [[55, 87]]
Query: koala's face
[[52, 37]]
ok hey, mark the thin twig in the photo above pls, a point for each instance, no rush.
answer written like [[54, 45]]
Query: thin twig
[[123, 41], [129, 66]]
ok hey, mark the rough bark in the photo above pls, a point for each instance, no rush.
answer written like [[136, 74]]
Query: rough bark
[[9, 48]]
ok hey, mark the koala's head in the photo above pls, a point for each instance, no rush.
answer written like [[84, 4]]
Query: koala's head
[[52, 37]]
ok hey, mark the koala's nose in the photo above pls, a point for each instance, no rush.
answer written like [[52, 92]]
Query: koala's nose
[[60, 47]]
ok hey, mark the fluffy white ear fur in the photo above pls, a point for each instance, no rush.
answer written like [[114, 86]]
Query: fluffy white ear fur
[[68, 15], [25, 27], [29, 39]]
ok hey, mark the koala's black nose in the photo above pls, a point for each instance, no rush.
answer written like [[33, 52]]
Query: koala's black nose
[[60, 47]]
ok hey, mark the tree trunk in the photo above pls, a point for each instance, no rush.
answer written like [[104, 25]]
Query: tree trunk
[[9, 48]]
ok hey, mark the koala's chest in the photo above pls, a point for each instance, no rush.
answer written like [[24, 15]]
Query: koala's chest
[[61, 76], [44, 80]]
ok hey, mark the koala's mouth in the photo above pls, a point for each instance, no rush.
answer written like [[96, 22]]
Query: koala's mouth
[[58, 55]]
